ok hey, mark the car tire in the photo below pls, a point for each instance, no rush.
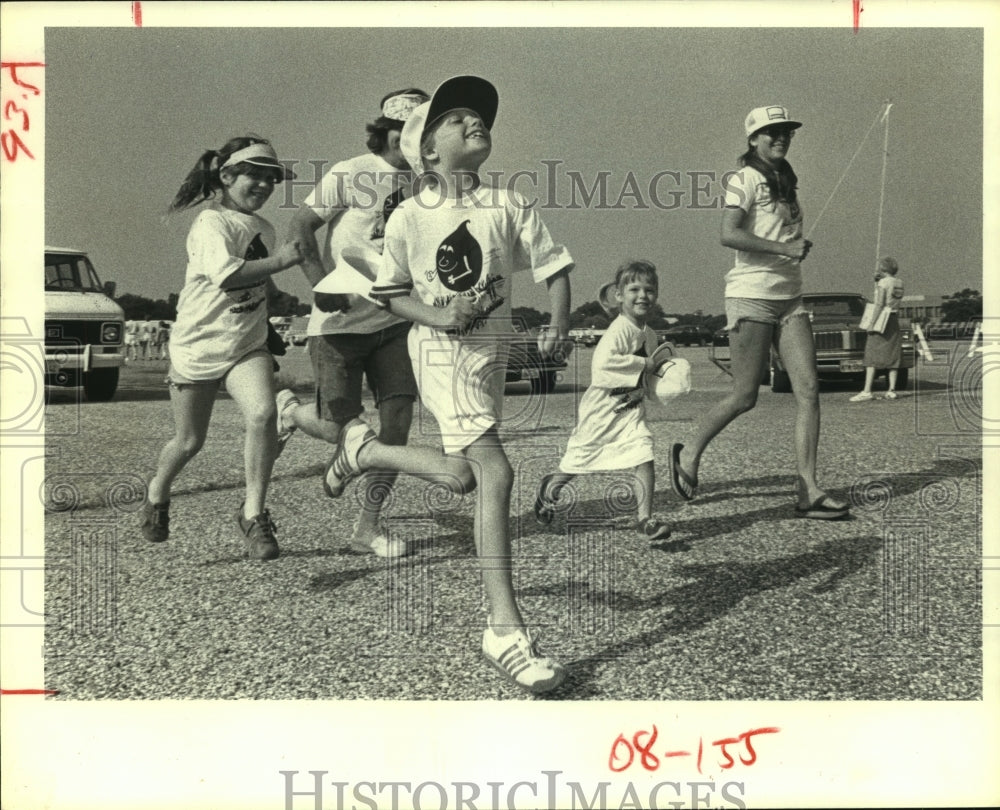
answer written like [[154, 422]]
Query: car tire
[[781, 383], [100, 384], [544, 383], [902, 379]]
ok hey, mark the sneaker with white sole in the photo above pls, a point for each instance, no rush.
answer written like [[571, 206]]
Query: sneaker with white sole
[[891, 395], [381, 546], [285, 401], [517, 659], [343, 467], [862, 396]]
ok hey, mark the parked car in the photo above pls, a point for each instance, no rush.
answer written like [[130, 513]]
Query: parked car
[[84, 327], [840, 342], [586, 337], [524, 362], [686, 335]]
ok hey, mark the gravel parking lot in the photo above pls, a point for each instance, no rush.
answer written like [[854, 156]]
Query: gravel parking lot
[[743, 602]]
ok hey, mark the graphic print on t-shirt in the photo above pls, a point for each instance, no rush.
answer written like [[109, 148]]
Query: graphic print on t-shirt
[[391, 203], [459, 259], [255, 250]]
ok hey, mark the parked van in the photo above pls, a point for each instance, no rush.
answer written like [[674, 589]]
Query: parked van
[[84, 328]]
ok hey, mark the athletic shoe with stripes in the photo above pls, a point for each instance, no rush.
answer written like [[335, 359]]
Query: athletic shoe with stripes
[[343, 467], [284, 402], [516, 657]]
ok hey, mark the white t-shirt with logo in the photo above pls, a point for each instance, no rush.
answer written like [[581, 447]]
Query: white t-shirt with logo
[[217, 327], [763, 275], [472, 247], [356, 197]]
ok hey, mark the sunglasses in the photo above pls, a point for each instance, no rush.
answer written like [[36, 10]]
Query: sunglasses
[[776, 132]]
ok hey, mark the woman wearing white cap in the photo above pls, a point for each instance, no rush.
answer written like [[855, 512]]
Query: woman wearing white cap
[[762, 222]]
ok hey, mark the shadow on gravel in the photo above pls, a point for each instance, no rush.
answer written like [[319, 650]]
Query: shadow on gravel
[[710, 592]]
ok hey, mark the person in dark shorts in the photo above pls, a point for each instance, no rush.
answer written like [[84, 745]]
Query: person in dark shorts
[[350, 339]]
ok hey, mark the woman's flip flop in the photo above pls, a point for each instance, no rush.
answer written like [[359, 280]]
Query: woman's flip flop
[[683, 484]]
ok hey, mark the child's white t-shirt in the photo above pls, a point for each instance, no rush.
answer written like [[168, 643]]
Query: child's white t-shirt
[[763, 275], [472, 246], [356, 197], [603, 438], [217, 327]]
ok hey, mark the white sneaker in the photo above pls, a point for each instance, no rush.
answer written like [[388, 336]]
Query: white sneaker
[[891, 395], [343, 467], [285, 401], [863, 396], [381, 546], [517, 659]]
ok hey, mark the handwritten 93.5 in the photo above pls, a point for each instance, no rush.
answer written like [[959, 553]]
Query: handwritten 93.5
[[16, 122], [641, 749]]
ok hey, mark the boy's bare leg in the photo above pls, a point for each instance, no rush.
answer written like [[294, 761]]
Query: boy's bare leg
[[644, 478], [395, 417], [495, 480]]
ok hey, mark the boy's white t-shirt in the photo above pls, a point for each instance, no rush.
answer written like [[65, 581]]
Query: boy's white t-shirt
[[763, 275], [217, 327], [603, 438], [439, 249], [356, 197], [472, 246]]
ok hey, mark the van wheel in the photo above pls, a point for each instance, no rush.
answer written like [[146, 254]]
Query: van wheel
[[100, 384], [780, 382]]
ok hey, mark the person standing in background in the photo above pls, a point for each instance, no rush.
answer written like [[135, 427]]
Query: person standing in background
[[884, 350]]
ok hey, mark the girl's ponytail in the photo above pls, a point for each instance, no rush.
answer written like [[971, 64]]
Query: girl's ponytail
[[200, 184], [203, 181]]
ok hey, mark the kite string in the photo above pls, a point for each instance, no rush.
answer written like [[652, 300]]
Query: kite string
[[850, 163]]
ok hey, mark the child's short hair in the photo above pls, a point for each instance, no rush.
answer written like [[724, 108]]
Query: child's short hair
[[633, 269]]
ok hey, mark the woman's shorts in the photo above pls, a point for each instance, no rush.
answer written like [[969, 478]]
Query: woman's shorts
[[177, 380], [776, 312]]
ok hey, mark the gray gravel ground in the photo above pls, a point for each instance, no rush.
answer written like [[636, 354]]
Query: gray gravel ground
[[743, 602]]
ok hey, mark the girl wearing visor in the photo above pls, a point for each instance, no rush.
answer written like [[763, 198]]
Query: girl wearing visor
[[220, 333], [762, 222]]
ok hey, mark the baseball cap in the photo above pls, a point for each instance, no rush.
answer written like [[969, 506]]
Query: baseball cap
[[469, 92], [396, 107], [259, 154], [761, 117]]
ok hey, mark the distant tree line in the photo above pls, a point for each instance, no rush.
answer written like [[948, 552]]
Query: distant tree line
[[966, 305], [140, 308]]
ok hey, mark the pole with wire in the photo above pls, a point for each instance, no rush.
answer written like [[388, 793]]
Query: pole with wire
[[881, 199]]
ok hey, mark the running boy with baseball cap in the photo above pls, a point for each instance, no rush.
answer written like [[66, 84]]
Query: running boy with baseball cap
[[456, 244]]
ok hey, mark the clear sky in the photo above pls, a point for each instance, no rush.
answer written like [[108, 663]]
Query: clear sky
[[129, 110]]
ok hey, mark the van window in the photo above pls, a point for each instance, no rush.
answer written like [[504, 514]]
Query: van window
[[69, 272]]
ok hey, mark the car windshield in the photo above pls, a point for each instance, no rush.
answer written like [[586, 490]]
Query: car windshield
[[834, 305], [66, 271]]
